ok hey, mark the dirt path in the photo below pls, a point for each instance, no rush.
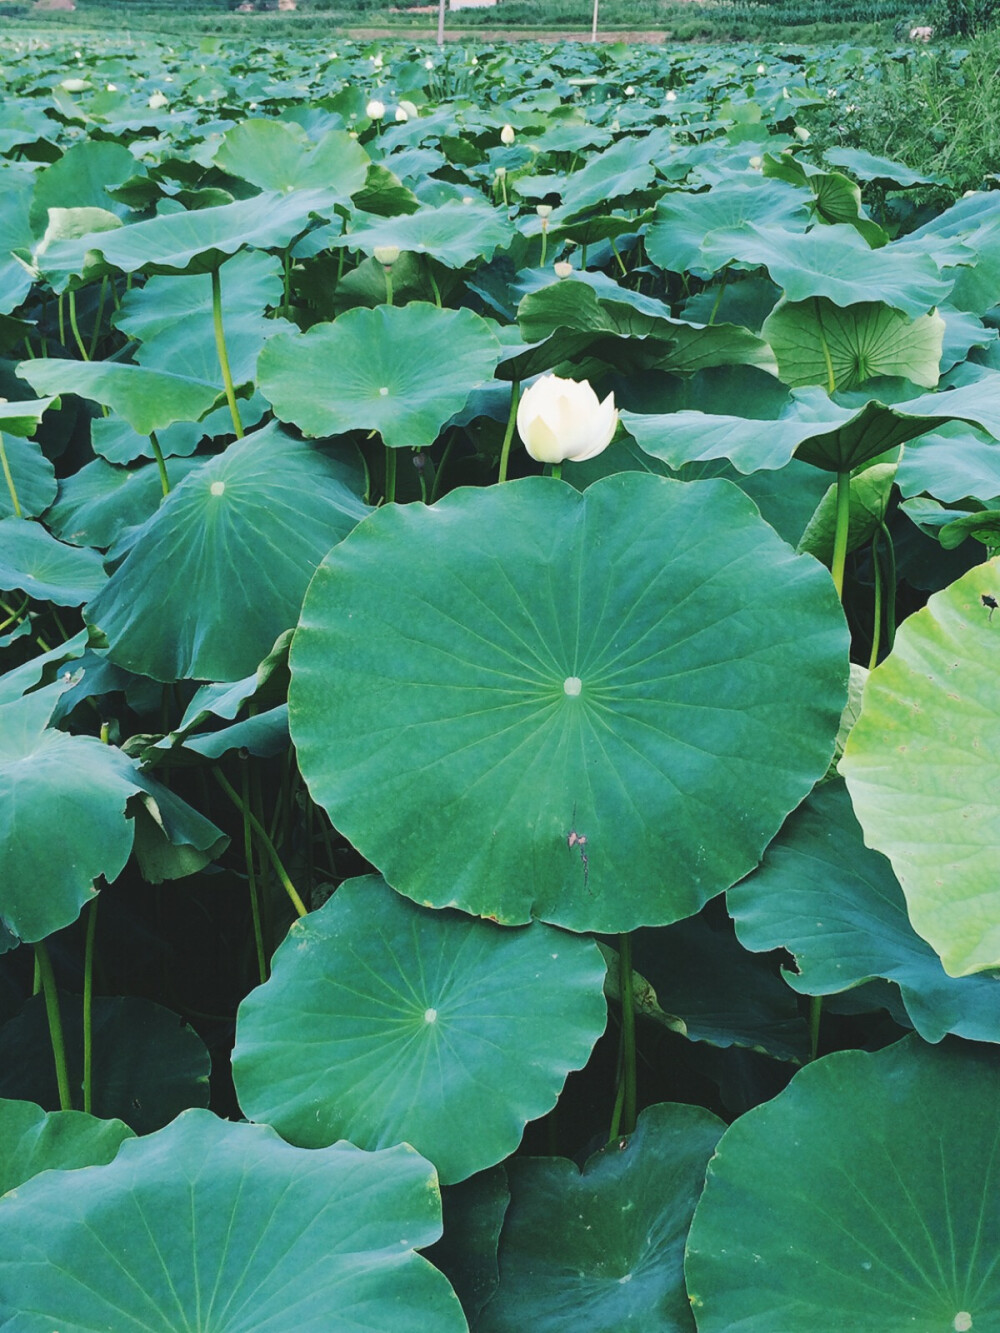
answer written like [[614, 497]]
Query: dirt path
[[484, 34]]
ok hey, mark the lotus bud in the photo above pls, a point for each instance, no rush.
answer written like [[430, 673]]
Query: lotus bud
[[377, 62], [507, 134], [564, 268], [157, 101], [386, 255], [671, 95], [802, 134], [543, 210], [561, 420], [756, 164], [761, 69], [375, 109], [500, 172], [74, 85], [630, 91]]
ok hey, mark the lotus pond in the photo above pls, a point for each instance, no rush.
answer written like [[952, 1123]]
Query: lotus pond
[[444, 890]]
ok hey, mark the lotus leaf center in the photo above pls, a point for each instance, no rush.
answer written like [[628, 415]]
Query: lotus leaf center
[[217, 487], [430, 1016], [572, 685]]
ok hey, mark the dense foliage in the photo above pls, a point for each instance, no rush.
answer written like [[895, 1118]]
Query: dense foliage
[[441, 890]]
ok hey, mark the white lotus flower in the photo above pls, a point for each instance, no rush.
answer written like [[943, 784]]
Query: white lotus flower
[[630, 91], [74, 85], [375, 109], [507, 134], [157, 101], [563, 268], [561, 419]]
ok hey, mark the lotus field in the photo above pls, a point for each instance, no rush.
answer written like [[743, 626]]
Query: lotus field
[[499, 712]]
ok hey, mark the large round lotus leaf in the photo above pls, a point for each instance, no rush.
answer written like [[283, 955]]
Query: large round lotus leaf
[[602, 1250], [817, 342], [147, 399], [402, 371], [866, 1196], [33, 562], [148, 1064], [684, 221], [386, 1023], [219, 570], [276, 156], [100, 502], [836, 907], [62, 807], [923, 768], [196, 241], [33, 1140], [597, 711], [210, 1225], [454, 234]]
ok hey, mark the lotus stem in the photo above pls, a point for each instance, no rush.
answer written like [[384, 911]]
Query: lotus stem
[[721, 294], [220, 347], [515, 394], [48, 983], [877, 614], [841, 531], [265, 842], [258, 935], [100, 315], [158, 455], [890, 590], [387, 270], [815, 1013], [557, 471], [831, 379], [390, 475], [76, 327], [88, 1004], [627, 987]]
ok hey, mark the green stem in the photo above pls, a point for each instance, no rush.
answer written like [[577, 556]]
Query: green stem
[[48, 980], [890, 588], [721, 294], [220, 347], [557, 471], [100, 315], [831, 380], [258, 936], [621, 262], [503, 190], [264, 840], [60, 311], [616, 1113], [88, 1005], [287, 278], [13, 617], [877, 615], [842, 530], [77, 338], [815, 1013], [434, 287], [515, 395], [388, 284], [158, 455], [390, 475], [439, 473], [627, 986], [9, 479], [545, 241]]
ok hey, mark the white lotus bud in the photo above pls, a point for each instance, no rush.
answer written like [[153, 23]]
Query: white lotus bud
[[543, 210], [375, 109], [761, 69], [756, 163], [507, 134], [377, 62], [386, 255], [74, 85], [630, 91], [561, 420], [564, 269], [500, 172], [428, 64], [671, 95], [157, 101], [112, 87], [802, 134]]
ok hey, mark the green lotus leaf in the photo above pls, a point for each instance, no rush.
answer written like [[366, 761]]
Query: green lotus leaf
[[147, 399], [32, 476], [265, 734], [219, 570], [835, 262], [602, 1249], [68, 815], [921, 768], [148, 1064], [172, 839], [836, 906], [277, 156], [385, 1023], [685, 222], [81, 178], [881, 170], [882, 1183], [98, 503], [33, 562], [403, 371], [454, 234], [951, 464], [593, 687], [817, 342], [15, 236], [467, 1251], [615, 173], [22, 418], [34, 1141], [984, 527], [173, 318], [710, 987], [42, 668], [199, 240], [223, 1222]]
